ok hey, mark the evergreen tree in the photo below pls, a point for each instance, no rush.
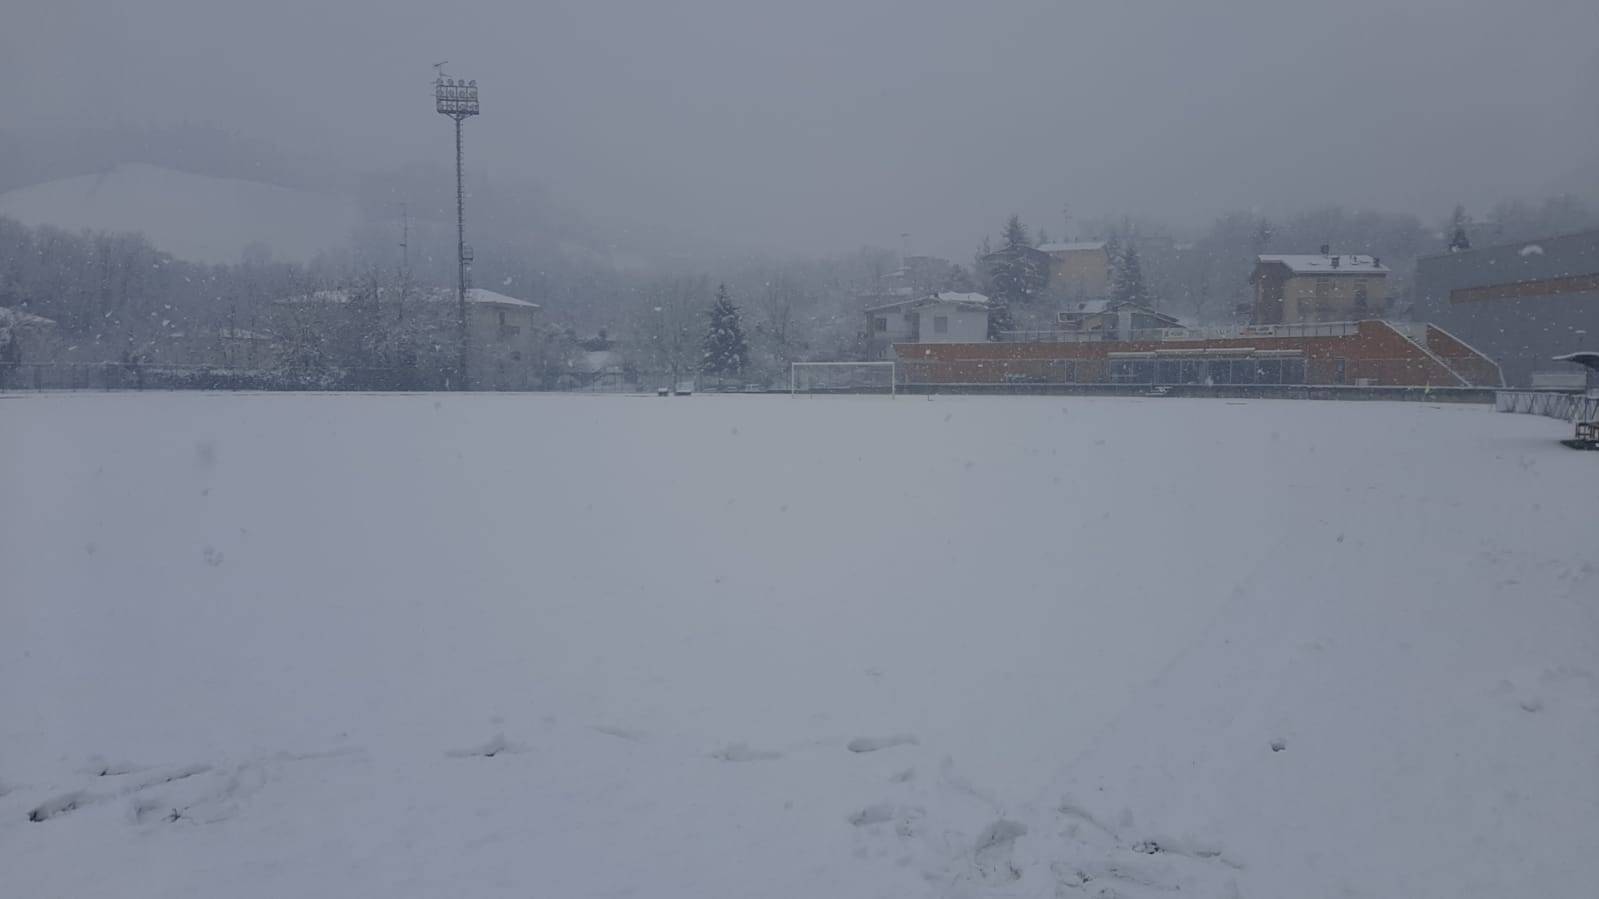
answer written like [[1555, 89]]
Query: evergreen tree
[[999, 319], [1127, 278], [726, 351], [1016, 233], [1015, 275], [1458, 240], [1113, 259]]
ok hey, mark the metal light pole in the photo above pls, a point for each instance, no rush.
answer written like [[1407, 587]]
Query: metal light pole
[[457, 98]]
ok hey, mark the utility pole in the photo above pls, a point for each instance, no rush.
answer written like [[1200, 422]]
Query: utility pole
[[457, 98], [405, 238]]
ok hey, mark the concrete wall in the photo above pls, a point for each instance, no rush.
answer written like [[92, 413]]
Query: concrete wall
[[963, 323], [1518, 303], [1332, 298], [1079, 274]]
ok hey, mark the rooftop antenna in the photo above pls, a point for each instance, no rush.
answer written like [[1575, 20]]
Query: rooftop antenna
[[1066, 222]]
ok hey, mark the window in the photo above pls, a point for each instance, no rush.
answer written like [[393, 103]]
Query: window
[[940, 324], [502, 318], [880, 323], [516, 355], [1361, 296], [1323, 285]]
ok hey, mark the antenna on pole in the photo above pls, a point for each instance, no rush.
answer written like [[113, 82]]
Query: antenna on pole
[[405, 238]]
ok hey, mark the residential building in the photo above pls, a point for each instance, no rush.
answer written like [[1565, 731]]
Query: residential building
[[1521, 303], [1111, 320], [1323, 287], [935, 318], [501, 341], [1078, 271]]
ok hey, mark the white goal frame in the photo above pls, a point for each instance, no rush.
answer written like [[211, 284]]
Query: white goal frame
[[794, 367]]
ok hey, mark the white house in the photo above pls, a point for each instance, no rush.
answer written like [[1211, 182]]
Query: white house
[[945, 317]]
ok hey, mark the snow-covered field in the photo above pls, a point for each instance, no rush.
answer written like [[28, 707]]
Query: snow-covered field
[[510, 645]]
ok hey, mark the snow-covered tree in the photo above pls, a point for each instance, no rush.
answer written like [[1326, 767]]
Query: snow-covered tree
[[1016, 233], [726, 351], [1015, 273], [1127, 277], [1458, 240]]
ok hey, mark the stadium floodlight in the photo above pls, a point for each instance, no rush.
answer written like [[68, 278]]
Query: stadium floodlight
[[843, 377], [457, 98]]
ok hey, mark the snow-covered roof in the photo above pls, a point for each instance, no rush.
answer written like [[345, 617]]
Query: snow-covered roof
[[948, 296], [479, 295], [1087, 307], [1317, 264], [1073, 247], [1587, 359], [11, 317], [598, 361], [473, 295]]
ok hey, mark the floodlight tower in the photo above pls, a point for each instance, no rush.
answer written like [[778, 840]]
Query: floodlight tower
[[457, 98]]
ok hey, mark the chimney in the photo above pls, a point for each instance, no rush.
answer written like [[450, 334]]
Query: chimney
[[1376, 261], [1335, 261], [1326, 249]]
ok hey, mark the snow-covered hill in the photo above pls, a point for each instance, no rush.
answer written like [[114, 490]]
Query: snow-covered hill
[[419, 646], [195, 217]]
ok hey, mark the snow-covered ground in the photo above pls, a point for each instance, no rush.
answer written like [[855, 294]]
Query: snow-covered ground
[[511, 645]]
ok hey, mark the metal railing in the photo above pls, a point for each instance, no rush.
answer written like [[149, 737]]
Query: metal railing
[[1052, 336], [1563, 405], [1218, 332], [1174, 371]]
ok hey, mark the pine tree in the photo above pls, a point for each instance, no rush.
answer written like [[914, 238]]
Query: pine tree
[[1016, 233], [1128, 278], [1458, 240], [726, 351], [1014, 273]]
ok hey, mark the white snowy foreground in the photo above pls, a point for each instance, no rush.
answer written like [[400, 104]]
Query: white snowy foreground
[[581, 646]]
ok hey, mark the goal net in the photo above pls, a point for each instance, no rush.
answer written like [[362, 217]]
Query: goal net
[[842, 377]]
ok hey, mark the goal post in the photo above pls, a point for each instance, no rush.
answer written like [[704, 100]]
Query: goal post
[[843, 377]]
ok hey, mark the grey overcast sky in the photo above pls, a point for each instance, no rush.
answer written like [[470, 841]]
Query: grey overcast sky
[[818, 125]]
